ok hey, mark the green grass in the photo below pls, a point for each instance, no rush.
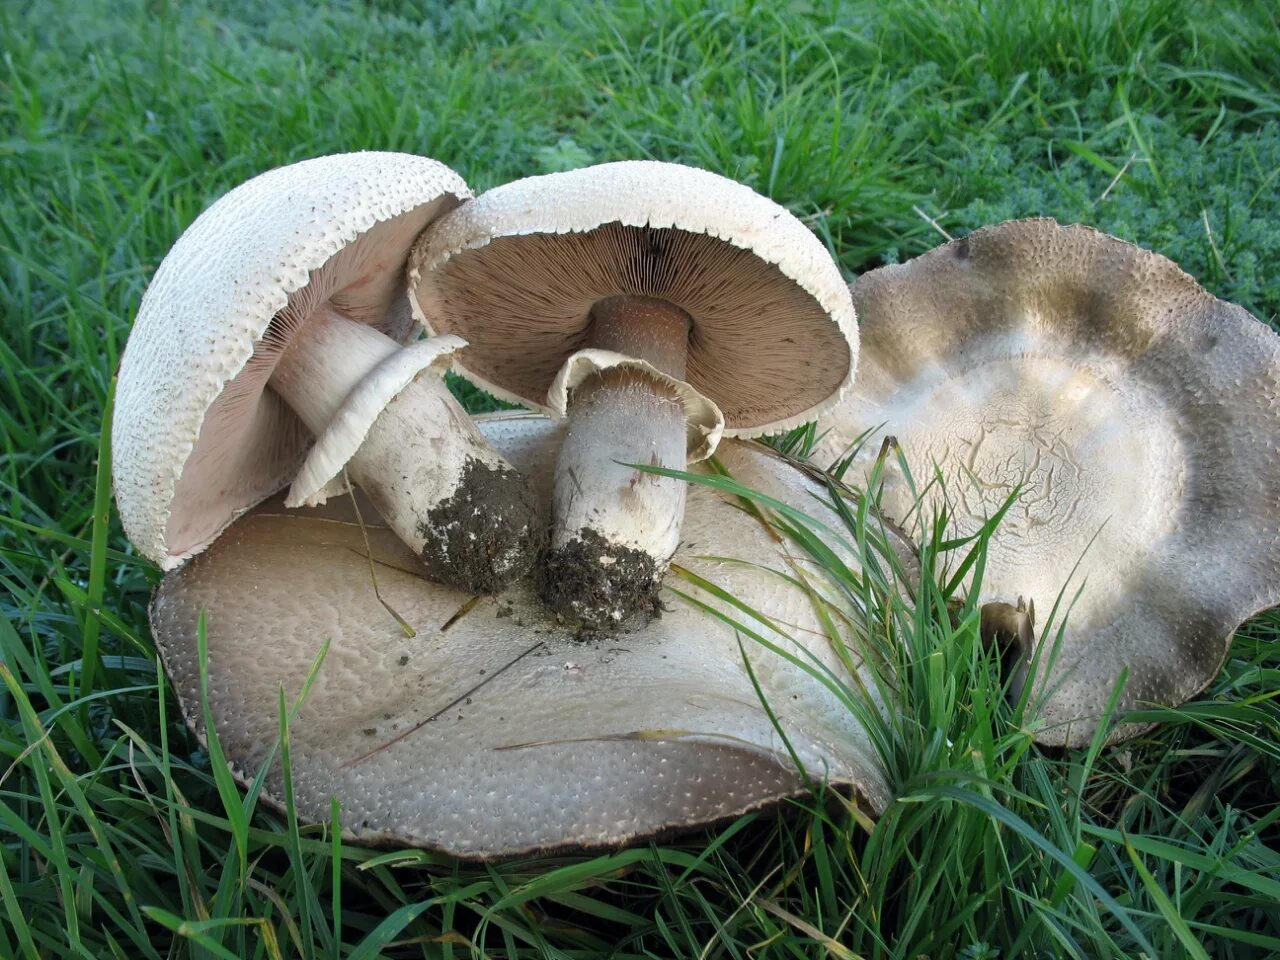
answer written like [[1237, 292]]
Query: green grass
[[1157, 120]]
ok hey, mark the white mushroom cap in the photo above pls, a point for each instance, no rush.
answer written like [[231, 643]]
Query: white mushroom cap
[[497, 730], [1142, 416], [517, 271], [197, 439]]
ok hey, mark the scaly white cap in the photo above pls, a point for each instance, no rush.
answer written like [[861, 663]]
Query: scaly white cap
[[197, 439]]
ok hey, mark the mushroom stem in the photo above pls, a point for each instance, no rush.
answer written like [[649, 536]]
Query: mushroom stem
[[426, 468], [652, 330], [614, 527], [1013, 630], [325, 360]]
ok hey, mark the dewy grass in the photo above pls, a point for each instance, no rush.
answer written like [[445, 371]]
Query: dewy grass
[[1157, 120]]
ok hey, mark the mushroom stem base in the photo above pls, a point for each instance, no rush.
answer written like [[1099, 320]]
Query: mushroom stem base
[[470, 515], [597, 583], [1012, 629]]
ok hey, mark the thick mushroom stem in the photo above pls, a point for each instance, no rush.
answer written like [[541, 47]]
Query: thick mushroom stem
[[614, 528], [431, 474], [1013, 630]]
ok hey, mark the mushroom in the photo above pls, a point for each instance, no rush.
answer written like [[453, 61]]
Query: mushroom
[[656, 306], [1136, 416], [507, 731], [277, 318]]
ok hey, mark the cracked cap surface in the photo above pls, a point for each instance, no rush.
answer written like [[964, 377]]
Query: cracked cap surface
[[1140, 414]]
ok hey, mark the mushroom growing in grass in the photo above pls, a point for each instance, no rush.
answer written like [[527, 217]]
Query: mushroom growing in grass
[[276, 320], [501, 730], [1135, 415], [656, 306]]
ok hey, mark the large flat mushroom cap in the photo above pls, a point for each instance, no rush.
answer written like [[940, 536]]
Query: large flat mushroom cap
[[197, 437], [516, 272], [496, 730], [1140, 413]]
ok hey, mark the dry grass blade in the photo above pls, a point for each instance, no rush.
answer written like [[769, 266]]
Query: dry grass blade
[[404, 624], [460, 698], [830, 946]]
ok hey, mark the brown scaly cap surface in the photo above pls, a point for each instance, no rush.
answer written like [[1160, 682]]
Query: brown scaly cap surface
[[197, 437], [1142, 416], [516, 272], [497, 730]]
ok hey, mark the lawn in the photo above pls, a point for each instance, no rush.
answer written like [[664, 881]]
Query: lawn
[[882, 126]]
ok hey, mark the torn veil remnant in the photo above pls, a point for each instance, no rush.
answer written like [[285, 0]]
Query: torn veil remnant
[[656, 306], [1137, 416], [501, 730], [277, 319]]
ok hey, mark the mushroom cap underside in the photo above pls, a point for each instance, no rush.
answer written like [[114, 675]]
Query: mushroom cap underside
[[197, 437], [516, 272], [496, 730], [1138, 415]]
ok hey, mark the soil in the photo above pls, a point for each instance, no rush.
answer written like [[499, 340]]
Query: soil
[[599, 584], [488, 534]]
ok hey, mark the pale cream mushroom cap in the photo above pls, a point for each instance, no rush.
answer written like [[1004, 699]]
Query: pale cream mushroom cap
[[197, 437], [541, 737], [516, 271], [1141, 413]]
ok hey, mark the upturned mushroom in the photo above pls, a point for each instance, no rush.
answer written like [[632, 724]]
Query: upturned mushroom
[[656, 306], [508, 731], [268, 349], [1135, 414]]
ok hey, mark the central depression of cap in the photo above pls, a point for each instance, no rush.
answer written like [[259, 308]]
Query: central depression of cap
[[516, 273]]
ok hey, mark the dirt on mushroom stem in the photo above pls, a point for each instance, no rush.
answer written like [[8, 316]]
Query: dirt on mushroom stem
[[599, 584], [488, 534]]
